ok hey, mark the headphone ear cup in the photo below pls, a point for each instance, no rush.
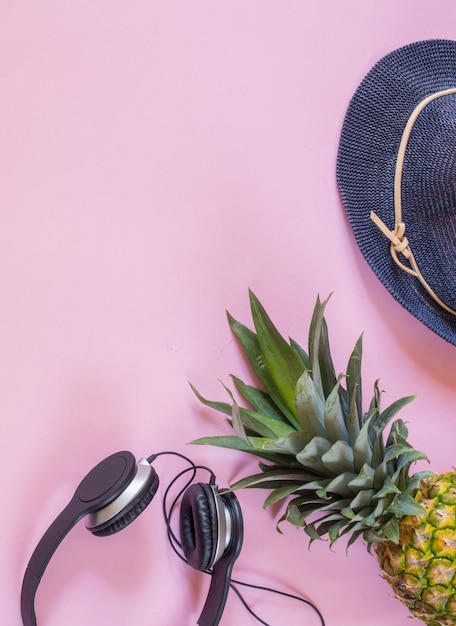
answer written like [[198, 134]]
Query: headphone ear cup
[[225, 542], [199, 526], [130, 512], [135, 497]]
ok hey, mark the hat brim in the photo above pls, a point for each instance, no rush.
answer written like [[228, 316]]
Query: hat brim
[[369, 143]]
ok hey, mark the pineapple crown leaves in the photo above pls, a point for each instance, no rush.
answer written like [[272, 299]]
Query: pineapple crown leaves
[[329, 462]]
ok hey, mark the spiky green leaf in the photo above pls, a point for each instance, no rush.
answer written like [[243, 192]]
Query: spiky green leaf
[[283, 363], [249, 342], [391, 530], [278, 494], [310, 457], [382, 419], [339, 458], [253, 446], [362, 450], [323, 372], [284, 476], [260, 423], [310, 407], [292, 443], [301, 353], [387, 489], [259, 400], [354, 385], [333, 418], [353, 420], [364, 479], [339, 486], [405, 504], [236, 419]]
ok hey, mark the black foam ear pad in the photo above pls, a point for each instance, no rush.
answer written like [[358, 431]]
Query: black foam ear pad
[[130, 512], [199, 526]]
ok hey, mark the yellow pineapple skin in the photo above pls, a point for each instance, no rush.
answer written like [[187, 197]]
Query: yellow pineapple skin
[[421, 567]]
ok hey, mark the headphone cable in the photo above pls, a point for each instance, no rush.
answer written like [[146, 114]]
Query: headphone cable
[[276, 591], [177, 546]]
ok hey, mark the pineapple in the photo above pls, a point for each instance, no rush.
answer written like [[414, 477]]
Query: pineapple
[[335, 469]]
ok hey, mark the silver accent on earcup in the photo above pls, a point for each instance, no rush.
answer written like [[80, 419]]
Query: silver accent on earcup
[[97, 518], [224, 524]]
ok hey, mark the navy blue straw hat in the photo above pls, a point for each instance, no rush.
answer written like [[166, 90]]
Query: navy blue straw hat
[[396, 171]]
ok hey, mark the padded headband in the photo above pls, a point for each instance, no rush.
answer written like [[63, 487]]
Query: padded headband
[[103, 486]]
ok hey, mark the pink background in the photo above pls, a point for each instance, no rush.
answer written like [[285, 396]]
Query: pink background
[[157, 159]]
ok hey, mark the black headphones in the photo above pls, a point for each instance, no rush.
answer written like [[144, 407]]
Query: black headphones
[[117, 490], [114, 493]]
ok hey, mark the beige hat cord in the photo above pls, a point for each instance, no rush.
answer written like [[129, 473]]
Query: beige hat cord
[[400, 243]]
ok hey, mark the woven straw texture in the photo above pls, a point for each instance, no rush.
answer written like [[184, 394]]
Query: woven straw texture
[[370, 138]]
